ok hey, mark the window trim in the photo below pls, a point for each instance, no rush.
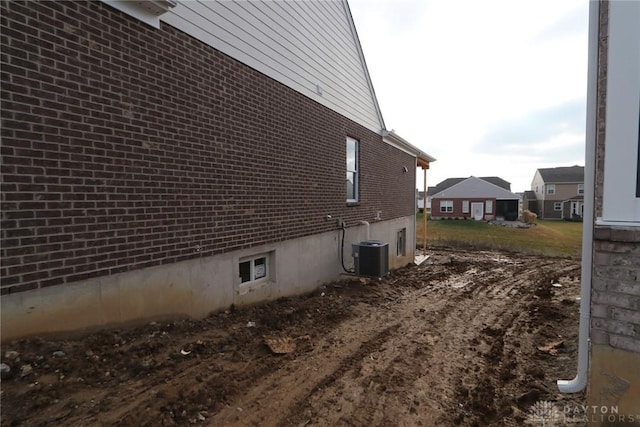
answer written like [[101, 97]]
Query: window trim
[[551, 189], [356, 172], [557, 206], [580, 189]]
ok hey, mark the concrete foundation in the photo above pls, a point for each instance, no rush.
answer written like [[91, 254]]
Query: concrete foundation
[[194, 288]]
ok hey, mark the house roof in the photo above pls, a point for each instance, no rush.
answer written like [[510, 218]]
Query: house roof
[[568, 174], [528, 194], [449, 182], [473, 187]]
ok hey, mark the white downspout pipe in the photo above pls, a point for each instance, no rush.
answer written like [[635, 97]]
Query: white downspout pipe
[[580, 381], [368, 228]]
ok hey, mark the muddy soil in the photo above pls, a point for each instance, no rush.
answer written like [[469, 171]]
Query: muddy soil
[[467, 338]]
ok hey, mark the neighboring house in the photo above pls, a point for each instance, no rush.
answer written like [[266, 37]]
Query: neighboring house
[[165, 158], [474, 198], [559, 193], [609, 338], [452, 181]]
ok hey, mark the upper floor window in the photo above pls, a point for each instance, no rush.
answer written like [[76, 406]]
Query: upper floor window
[[551, 189], [580, 189], [352, 170]]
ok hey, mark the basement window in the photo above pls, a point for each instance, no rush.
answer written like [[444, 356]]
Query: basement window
[[254, 269]]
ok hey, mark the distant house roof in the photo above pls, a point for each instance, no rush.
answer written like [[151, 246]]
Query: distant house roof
[[531, 195], [473, 187], [449, 182], [568, 174]]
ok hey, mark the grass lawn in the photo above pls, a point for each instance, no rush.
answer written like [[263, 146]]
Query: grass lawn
[[552, 238]]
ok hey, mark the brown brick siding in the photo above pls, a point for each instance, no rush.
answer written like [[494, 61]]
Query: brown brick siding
[[457, 208], [125, 147], [601, 112]]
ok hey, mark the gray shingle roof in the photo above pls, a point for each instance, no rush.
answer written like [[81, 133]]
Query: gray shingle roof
[[562, 174], [449, 182], [476, 187]]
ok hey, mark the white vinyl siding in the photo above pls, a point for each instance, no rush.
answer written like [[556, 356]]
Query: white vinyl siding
[[308, 46]]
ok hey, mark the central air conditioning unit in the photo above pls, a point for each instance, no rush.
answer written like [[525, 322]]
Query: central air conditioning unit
[[371, 258]]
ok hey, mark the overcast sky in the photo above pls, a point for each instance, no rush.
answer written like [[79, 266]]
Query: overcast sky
[[488, 88]]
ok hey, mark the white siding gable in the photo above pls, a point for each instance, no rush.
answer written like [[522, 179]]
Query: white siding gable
[[476, 188], [309, 46]]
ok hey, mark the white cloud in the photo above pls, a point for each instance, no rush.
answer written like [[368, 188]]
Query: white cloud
[[449, 73]]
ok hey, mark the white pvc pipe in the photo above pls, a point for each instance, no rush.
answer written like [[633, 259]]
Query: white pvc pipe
[[368, 227], [580, 381]]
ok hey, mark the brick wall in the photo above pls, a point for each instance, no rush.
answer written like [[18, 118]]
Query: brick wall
[[615, 309], [125, 147]]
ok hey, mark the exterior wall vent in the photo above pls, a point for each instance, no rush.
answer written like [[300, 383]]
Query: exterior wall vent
[[371, 258]]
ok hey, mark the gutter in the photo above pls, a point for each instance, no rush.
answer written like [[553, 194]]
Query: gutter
[[580, 381], [392, 138]]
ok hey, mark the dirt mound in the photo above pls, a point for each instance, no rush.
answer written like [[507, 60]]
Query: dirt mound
[[467, 338]]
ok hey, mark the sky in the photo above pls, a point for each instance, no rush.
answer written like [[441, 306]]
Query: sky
[[488, 88]]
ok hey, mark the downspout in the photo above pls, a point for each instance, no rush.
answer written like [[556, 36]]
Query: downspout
[[580, 381]]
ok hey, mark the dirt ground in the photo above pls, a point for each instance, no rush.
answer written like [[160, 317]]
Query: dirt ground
[[467, 338]]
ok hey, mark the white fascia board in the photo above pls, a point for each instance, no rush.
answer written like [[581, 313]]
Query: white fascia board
[[147, 11], [395, 140]]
